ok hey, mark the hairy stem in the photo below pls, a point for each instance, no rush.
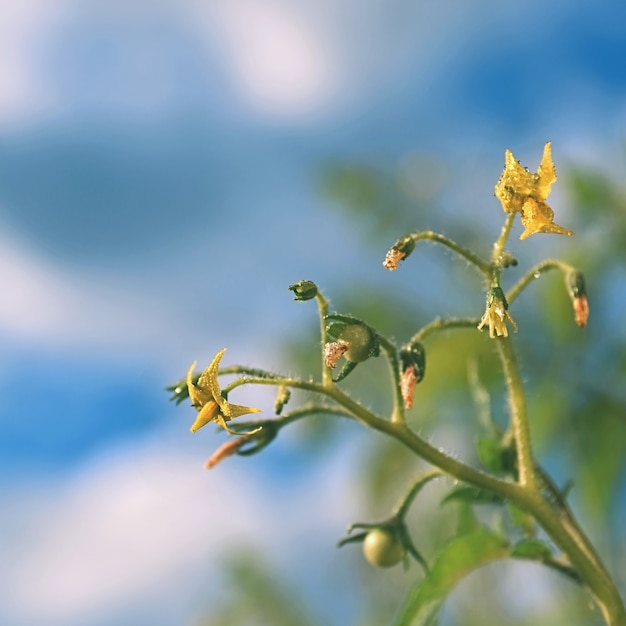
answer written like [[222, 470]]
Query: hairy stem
[[322, 306], [480, 264], [556, 521], [439, 325], [519, 415], [391, 353]]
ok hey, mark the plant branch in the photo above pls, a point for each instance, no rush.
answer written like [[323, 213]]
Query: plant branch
[[391, 353], [533, 273], [429, 235], [519, 415], [438, 325]]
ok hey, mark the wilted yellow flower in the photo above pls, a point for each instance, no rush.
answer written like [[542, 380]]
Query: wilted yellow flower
[[228, 448], [521, 191], [206, 397], [392, 258], [400, 250], [496, 314], [581, 310], [408, 381], [333, 351]]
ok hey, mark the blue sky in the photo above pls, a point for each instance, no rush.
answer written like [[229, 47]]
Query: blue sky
[[158, 166]]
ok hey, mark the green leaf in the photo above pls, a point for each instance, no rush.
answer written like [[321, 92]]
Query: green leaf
[[523, 520], [490, 454], [496, 457], [531, 549], [472, 495], [458, 558]]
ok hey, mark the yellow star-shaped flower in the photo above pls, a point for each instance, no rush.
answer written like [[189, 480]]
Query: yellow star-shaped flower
[[206, 397], [523, 192]]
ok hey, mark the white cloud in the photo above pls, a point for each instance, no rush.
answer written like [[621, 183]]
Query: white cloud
[[141, 525], [280, 56], [24, 26], [48, 304], [283, 60]]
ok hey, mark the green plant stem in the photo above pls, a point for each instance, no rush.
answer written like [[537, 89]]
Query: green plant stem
[[414, 489], [448, 324], [533, 273], [468, 255], [519, 414], [570, 538], [399, 431], [397, 414], [557, 522], [429, 453], [500, 243], [322, 306]]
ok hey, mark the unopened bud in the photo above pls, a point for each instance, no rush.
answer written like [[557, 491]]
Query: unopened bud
[[578, 293], [304, 290], [282, 397]]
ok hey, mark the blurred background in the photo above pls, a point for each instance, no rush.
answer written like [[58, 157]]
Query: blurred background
[[167, 169]]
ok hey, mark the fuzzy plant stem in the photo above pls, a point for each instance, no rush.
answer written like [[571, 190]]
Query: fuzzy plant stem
[[558, 523]]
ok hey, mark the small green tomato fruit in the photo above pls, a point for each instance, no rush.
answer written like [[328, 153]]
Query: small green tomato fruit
[[363, 342], [382, 548]]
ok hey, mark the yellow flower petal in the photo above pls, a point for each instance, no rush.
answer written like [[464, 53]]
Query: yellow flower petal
[[537, 218], [546, 173], [206, 414], [206, 397], [521, 191], [209, 380], [235, 410], [198, 395]]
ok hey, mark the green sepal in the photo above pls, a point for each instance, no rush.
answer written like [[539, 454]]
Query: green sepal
[[496, 293], [180, 391], [362, 338], [345, 370], [304, 290], [260, 439], [576, 284], [414, 355]]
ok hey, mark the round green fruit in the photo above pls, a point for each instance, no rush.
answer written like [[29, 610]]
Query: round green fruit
[[382, 548]]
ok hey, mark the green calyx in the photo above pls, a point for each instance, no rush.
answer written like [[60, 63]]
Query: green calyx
[[362, 339], [304, 290], [414, 356]]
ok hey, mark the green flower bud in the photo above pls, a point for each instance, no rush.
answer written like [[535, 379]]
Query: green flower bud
[[282, 397], [304, 290]]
